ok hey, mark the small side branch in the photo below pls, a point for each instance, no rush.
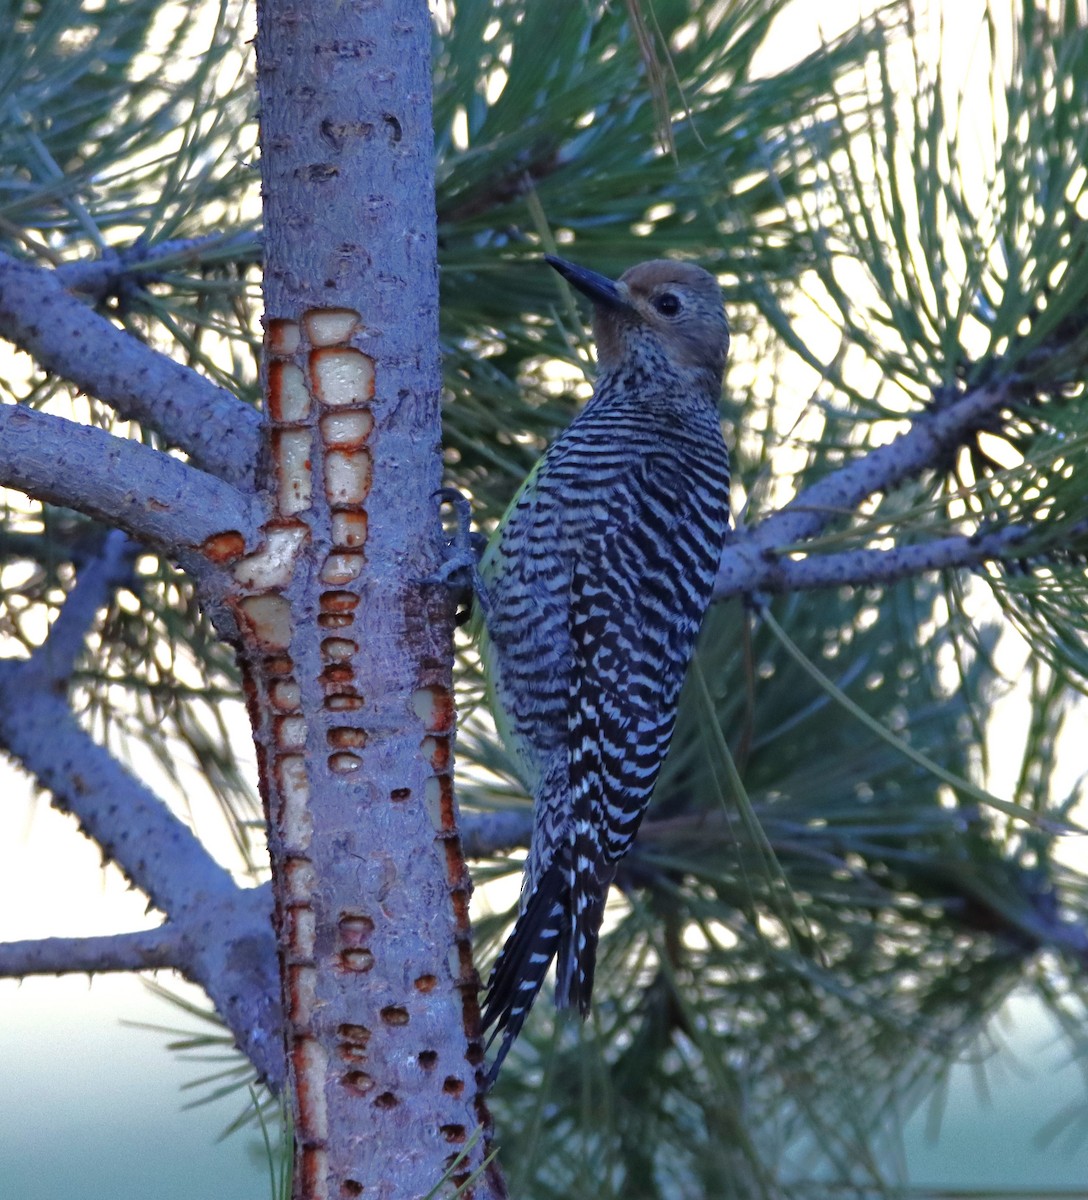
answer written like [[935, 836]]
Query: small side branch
[[65, 336], [144, 263], [861, 568], [929, 439], [752, 562], [56, 659], [155, 850], [485, 834], [156, 498], [225, 933], [144, 950]]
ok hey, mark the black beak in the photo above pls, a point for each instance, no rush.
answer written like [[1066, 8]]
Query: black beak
[[599, 288]]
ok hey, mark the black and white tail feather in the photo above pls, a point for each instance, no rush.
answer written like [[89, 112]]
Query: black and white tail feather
[[520, 969], [551, 926]]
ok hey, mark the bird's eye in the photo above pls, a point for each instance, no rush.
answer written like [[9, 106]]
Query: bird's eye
[[667, 304]]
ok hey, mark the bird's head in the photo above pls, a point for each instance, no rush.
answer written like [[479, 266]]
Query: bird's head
[[673, 308]]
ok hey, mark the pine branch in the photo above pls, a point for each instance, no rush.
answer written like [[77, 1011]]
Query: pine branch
[[152, 496], [861, 568], [224, 933], [485, 834], [755, 552], [65, 336], [142, 263], [229, 947], [57, 657], [143, 950]]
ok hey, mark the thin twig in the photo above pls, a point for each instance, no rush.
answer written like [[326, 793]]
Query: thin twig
[[144, 262], [56, 658]]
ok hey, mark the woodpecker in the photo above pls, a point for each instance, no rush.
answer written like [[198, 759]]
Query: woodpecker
[[593, 588]]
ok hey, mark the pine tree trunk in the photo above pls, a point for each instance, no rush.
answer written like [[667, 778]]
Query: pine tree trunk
[[347, 652]]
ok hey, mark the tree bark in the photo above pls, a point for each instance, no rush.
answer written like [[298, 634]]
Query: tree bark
[[347, 652]]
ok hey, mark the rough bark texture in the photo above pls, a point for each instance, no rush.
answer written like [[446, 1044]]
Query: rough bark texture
[[348, 652]]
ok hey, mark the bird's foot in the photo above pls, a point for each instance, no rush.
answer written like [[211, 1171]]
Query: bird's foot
[[460, 571]]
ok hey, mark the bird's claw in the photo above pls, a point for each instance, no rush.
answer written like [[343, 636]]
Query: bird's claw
[[465, 544], [460, 571]]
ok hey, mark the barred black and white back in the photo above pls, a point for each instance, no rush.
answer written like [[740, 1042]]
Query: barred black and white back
[[597, 582]]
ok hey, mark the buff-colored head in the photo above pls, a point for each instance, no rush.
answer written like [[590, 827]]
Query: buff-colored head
[[671, 308]]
